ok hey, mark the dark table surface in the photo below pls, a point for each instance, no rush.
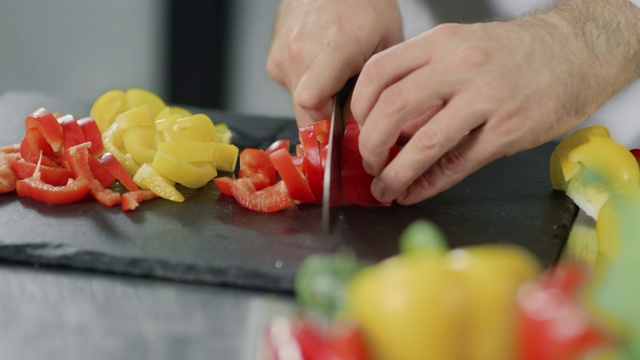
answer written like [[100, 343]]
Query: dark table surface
[[91, 304]]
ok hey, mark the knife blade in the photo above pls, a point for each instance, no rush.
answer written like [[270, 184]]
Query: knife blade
[[332, 187]]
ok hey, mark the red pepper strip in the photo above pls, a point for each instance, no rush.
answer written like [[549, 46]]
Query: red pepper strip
[[33, 145], [132, 199], [73, 134], [297, 185], [270, 199], [321, 128], [118, 171], [312, 161], [56, 176], [256, 166], [277, 145], [78, 159], [35, 188], [9, 149], [8, 176], [100, 172], [48, 126], [92, 134], [224, 184]]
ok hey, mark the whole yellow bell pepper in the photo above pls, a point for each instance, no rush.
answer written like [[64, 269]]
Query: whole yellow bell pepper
[[433, 304]]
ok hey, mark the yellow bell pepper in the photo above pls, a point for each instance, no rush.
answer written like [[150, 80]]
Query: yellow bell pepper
[[561, 169], [148, 178], [136, 123], [424, 304], [223, 156], [183, 172]]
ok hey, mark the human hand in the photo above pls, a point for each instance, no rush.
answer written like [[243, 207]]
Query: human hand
[[466, 95], [317, 45]]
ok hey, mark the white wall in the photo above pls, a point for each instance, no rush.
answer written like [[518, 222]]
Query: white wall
[[80, 48]]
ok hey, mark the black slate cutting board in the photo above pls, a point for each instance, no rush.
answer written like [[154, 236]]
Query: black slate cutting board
[[211, 239]]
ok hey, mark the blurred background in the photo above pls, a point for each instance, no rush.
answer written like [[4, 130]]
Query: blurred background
[[208, 53]]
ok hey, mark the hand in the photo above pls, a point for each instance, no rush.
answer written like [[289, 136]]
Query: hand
[[318, 45], [466, 95]]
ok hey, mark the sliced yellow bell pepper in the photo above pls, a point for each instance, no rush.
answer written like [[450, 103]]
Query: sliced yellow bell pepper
[[183, 172], [223, 156], [113, 142], [107, 107], [148, 178], [141, 143]]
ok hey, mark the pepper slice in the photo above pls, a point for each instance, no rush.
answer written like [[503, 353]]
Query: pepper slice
[[37, 189]]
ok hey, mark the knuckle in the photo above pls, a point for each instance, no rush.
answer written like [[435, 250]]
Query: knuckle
[[392, 101], [374, 67], [427, 140], [307, 98], [452, 163]]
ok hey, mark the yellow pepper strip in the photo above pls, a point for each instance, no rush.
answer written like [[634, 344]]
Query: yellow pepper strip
[[198, 127], [148, 178], [224, 133], [424, 304], [107, 107], [140, 142], [112, 139], [561, 169], [136, 97], [223, 156], [182, 172], [138, 116]]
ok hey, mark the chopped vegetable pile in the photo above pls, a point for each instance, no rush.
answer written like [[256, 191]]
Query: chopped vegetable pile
[[132, 137]]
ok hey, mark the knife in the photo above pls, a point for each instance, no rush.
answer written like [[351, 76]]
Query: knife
[[332, 187]]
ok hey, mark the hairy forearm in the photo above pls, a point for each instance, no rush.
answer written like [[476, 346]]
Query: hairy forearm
[[601, 41]]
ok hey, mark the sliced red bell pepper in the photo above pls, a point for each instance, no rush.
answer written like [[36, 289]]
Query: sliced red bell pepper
[[73, 134], [118, 171], [78, 160], [224, 184], [297, 185], [35, 148], [312, 160], [277, 145], [8, 176], [321, 128], [132, 199], [37, 189], [100, 172], [270, 199], [10, 149], [57, 175], [92, 134], [48, 126], [256, 166]]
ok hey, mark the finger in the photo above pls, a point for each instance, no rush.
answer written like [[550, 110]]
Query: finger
[[326, 75], [413, 98], [428, 145], [474, 152], [384, 69]]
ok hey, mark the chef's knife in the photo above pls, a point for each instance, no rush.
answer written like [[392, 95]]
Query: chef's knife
[[332, 189]]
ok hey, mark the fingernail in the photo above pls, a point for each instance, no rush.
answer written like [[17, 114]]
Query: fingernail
[[377, 188]]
